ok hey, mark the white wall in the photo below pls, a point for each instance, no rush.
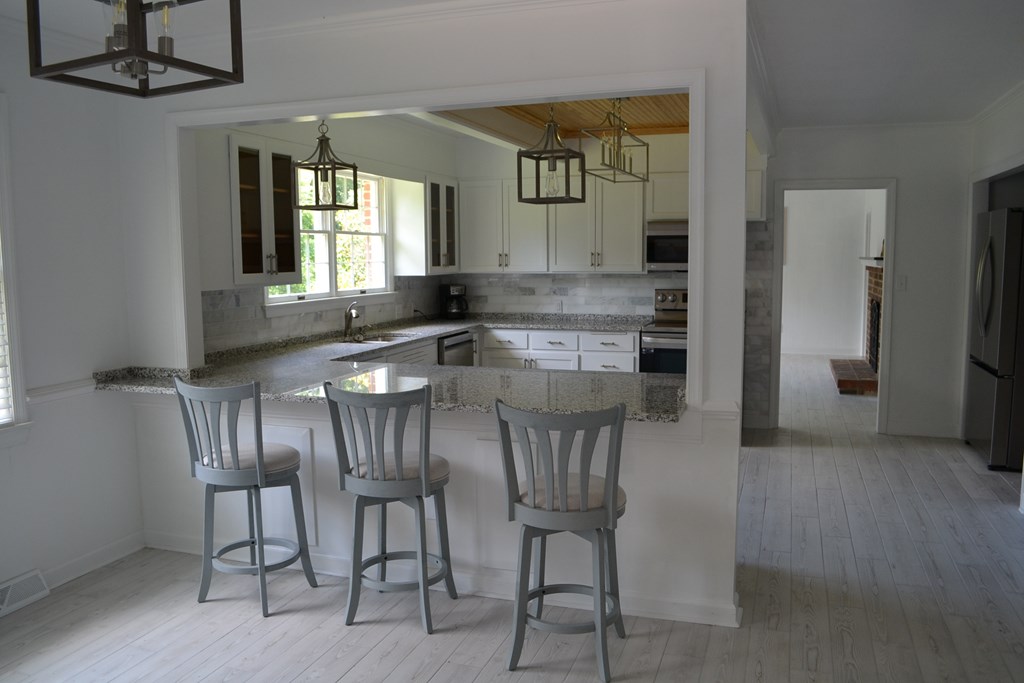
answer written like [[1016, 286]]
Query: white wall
[[823, 282], [930, 165], [72, 488]]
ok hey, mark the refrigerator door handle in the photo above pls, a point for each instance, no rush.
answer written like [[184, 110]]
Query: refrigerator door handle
[[983, 312]]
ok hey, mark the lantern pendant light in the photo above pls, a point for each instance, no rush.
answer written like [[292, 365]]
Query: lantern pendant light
[[323, 182], [549, 172], [126, 52], [625, 158]]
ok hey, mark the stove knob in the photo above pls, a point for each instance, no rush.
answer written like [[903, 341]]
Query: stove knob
[[660, 298], [671, 298]]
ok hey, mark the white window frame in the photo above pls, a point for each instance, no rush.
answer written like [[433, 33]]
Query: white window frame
[[15, 430], [289, 303]]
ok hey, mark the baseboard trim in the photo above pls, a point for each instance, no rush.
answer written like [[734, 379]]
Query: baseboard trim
[[100, 557]]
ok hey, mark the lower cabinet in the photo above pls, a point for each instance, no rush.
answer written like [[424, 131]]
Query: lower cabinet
[[560, 350], [418, 354]]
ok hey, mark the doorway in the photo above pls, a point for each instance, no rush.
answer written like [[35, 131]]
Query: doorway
[[829, 279]]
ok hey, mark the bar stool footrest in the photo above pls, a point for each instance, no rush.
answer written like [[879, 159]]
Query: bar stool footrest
[[611, 608], [435, 562], [246, 568]]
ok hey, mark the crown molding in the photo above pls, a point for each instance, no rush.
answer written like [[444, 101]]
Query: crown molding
[[1004, 100]]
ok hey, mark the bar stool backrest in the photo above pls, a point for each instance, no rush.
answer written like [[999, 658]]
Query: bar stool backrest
[[369, 461], [563, 469], [211, 427]]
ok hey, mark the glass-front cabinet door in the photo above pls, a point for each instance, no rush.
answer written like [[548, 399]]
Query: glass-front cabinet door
[[264, 224], [442, 224]]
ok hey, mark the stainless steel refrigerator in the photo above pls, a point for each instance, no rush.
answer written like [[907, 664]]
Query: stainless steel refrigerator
[[995, 373]]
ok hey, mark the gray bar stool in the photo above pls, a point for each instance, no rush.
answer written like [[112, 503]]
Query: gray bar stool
[[552, 490], [380, 471], [217, 460]]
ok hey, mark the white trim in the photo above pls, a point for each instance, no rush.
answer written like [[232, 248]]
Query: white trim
[[781, 187], [102, 556], [1002, 101], [56, 392], [18, 402]]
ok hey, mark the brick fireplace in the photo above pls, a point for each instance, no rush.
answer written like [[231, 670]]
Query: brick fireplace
[[860, 375]]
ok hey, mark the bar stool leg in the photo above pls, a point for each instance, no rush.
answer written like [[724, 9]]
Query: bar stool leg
[[300, 531], [442, 542], [207, 573], [540, 549], [382, 541], [421, 555], [600, 620], [613, 579], [252, 528], [261, 561], [356, 573], [522, 596]]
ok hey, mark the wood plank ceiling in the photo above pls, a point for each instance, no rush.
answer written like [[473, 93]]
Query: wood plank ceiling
[[647, 115]]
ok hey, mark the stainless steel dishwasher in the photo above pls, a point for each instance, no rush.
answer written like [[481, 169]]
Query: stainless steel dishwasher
[[456, 349]]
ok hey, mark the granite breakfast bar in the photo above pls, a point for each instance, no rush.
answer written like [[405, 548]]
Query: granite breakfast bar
[[664, 570]]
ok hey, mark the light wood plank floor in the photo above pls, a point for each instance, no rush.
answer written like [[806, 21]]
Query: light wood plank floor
[[861, 558]]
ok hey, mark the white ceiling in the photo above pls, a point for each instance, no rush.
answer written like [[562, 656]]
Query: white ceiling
[[827, 62], [846, 62]]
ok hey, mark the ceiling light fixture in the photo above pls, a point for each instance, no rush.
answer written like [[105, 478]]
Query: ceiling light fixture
[[624, 157], [549, 172], [323, 182], [132, 64]]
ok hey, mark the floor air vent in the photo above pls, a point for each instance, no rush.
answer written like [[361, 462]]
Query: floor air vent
[[21, 591]]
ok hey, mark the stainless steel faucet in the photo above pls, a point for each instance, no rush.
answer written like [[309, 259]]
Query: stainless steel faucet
[[350, 314]]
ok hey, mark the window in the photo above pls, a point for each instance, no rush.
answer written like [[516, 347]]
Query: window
[[344, 252], [12, 401]]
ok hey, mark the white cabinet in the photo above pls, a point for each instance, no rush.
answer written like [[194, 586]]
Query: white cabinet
[[668, 196], [500, 233], [560, 350], [264, 224], [442, 225], [609, 351], [535, 349], [755, 195], [604, 234]]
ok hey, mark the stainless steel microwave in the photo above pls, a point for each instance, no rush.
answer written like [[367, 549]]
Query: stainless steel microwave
[[667, 245]]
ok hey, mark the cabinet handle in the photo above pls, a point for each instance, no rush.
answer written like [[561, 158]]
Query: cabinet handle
[[533, 363], [609, 367], [526, 363], [506, 259], [499, 259], [598, 259], [552, 341], [609, 344], [270, 264], [591, 259]]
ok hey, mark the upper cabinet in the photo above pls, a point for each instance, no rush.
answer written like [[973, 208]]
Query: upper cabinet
[[668, 196], [442, 225], [265, 226], [604, 234], [500, 233]]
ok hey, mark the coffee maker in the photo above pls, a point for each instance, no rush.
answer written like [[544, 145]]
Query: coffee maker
[[453, 301]]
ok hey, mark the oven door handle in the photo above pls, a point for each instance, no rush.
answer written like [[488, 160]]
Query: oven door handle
[[667, 342]]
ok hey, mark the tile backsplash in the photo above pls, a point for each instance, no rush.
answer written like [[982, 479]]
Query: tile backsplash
[[234, 318]]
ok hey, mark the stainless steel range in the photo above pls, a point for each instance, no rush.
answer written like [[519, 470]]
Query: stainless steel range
[[663, 342]]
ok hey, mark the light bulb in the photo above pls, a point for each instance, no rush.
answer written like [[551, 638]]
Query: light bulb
[[326, 195], [116, 19], [163, 17], [552, 178]]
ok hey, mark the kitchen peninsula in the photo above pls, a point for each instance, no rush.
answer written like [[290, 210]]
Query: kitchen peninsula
[[670, 536]]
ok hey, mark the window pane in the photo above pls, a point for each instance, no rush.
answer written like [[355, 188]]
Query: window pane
[[315, 252], [360, 262], [367, 217]]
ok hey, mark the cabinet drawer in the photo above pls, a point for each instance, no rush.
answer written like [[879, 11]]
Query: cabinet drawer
[[608, 341], [554, 341], [601, 361], [506, 339]]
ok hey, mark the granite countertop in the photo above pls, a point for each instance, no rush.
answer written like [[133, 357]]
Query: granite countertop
[[295, 372]]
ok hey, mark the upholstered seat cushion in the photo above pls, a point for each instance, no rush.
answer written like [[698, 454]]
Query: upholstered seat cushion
[[595, 494], [277, 457], [439, 467]]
